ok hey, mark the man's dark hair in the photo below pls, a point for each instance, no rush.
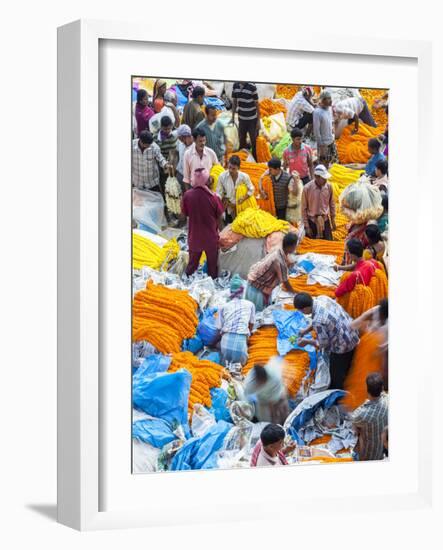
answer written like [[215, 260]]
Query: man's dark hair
[[355, 247], [385, 201], [374, 384], [373, 233], [235, 160], [302, 300], [260, 373], [146, 137], [198, 132], [382, 165], [165, 121], [384, 310], [209, 108], [373, 143], [197, 92], [274, 163], [272, 433], [296, 132], [141, 94], [290, 240]]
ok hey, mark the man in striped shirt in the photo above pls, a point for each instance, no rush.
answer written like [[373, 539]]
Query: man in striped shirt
[[245, 103], [214, 132], [370, 419]]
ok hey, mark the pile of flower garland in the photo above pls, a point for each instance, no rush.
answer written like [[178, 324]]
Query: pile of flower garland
[[263, 345], [205, 375], [147, 253], [263, 151], [164, 317], [256, 223], [367, 359], [300, 284], [371, 95], [322, 246], [269, 107], [353, 148], [250, 202]]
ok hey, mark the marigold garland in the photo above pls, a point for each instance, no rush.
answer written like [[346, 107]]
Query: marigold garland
[[250, 202], [263, 151], [269, 107], [367, 359], [215, 173], [379, 114], [300, 284], [263, 345], [149, 254], [256, 223], [322, 246], [205, 375], [164, 317], [353, 148], [363, 297]]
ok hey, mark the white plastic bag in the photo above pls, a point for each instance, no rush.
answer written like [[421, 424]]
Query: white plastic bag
[[202, 421], [148, 208], [273, 127], [144, 457], [231, 135]]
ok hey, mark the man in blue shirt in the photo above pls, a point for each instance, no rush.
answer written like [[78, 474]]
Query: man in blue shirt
[[374, 149]]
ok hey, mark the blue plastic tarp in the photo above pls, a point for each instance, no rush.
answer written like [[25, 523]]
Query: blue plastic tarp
[[215, 102], [290, 323], [306, 410], [201, 453], [219, 408], [155, 431], [162, 395], [156, 363], [194, 345], [207, 329]]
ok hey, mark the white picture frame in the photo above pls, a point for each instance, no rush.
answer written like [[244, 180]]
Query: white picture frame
[[80, 411]]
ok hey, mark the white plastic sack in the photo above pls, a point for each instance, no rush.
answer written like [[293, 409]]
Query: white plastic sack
[[144, 457], [273, 127], [231, 135], [148, 208]]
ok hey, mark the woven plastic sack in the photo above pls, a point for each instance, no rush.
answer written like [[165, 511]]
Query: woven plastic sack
[[361, 201]]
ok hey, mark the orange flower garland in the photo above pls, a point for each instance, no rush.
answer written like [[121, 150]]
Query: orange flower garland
[[379, 285], [263, 346], [353, 148], [269, 107], [205, 375], [371, 95], [287, 91], [263, 151], [322, 246], [164, 317], [363, 297], [367, 359], [299, 284]]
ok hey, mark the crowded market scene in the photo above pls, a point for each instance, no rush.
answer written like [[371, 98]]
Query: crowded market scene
[[260, 262]]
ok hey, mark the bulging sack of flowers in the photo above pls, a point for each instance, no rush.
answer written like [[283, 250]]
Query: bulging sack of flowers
[[361, 202], [273, 127]]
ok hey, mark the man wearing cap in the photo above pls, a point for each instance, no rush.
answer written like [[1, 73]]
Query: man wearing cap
[[318, 206], [300, 109], [184, 142], [322, 120]]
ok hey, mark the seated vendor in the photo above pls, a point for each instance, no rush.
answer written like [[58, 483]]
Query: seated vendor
[[269, 450], [270, 272], [362, 270], [236, 319], [265, 383], [376, 247]]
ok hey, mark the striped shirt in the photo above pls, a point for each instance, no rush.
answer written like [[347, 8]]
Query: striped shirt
[[333, 326], [371, 419], [297, 107], [215, 137], [246, 96], [145, 172], [280, 185], [167, 144], [235, 316], [269, 272]]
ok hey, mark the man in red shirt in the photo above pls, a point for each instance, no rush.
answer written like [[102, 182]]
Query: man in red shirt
[[204, 210], [362, 270]]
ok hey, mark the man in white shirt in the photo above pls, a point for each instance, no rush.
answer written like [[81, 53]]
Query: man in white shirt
[[227, 185], [351, 110], [300, 109]]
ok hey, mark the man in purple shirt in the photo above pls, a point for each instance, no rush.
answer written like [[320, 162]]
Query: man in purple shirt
[[204, 210]]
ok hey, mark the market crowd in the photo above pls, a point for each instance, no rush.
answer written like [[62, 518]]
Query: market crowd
[[185, 144]]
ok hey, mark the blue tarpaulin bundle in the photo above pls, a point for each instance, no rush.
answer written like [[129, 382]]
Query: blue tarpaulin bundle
[[289, 323], [155, 431], [306, 410], [207, 329], [200, 453], [162, 395], [156, 363], [194, 345], [219, 408]]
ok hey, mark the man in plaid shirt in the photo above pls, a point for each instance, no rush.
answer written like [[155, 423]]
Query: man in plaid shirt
[[146, 157], [370, 419]]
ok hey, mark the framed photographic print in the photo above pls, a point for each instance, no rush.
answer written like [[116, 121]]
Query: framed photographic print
[[226, 259]]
